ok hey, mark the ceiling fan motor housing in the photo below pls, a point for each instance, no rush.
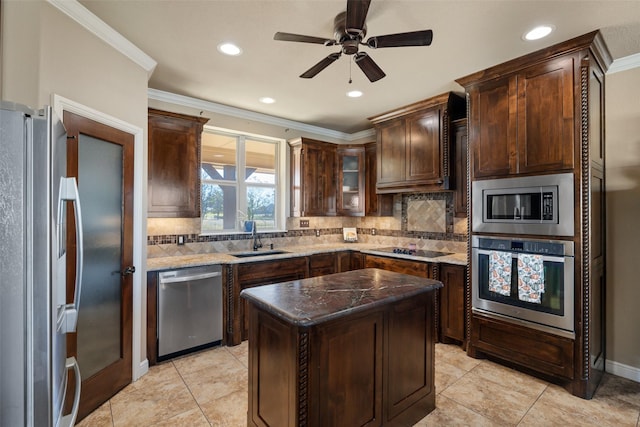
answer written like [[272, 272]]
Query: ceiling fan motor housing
[[348, 38]]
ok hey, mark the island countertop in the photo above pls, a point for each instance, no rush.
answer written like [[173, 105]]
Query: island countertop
[[315, 300]]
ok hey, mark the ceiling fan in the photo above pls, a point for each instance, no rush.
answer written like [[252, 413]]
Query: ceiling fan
[[349, 32]]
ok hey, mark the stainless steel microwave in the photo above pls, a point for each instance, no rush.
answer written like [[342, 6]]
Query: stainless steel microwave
[[538, 205]]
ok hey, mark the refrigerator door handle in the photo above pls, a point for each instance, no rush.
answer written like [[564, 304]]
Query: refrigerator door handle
[[70, 419], [69, 192]]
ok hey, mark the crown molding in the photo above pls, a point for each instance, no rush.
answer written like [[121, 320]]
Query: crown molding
[[624, 64], [104, 32], [214, 107]]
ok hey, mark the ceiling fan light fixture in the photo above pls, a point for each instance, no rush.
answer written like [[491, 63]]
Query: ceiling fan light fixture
[[229, 49], [538, 32], [354, 94], [267, 100]]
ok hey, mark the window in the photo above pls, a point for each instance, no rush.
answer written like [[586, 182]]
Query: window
[[242, 179]]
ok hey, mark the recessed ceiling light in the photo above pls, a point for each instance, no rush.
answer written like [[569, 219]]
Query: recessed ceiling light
[[538, 32], [267, 100], [354, 94], [229, 49]]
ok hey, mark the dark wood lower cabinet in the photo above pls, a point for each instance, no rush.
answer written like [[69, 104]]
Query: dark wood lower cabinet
[[538, 351], [322, 264], [452, 302], [451, 307], [262, 273], [415, 268], [349, 260], [373, 368], [449, 314], [152, 317], [348, 355]]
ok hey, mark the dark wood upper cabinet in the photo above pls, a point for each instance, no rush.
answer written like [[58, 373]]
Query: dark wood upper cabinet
[[375, 204], [391, 147], [414, 145], [174, 164], [350, 190], [492, 127], [459, 167], [330, 179], [313, 178], [522, 114], [545, 116], [423, 159]]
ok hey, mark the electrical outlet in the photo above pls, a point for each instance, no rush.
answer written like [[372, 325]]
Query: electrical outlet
[[304, 223], [317, 233], [373, 231]]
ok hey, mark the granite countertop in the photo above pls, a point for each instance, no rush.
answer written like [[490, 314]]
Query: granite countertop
[[308, 302], [182, 261]]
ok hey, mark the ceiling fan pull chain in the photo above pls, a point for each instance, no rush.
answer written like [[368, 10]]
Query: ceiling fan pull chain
[[350, 72]]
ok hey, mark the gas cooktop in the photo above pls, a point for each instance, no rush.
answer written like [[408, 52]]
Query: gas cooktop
[[414, 252]]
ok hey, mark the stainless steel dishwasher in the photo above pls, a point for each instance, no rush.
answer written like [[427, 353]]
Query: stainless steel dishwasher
[[189, 310]]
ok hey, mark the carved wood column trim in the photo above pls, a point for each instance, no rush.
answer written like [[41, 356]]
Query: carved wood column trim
[[585, 214], [303, 378]]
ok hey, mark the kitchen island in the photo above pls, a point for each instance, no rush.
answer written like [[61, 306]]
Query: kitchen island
[[353, 348]]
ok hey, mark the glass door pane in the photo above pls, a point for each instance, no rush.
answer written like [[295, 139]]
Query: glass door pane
[[99, 320], [350, 182]]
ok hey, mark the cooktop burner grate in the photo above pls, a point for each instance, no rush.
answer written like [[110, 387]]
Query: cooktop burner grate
[[414, 252]]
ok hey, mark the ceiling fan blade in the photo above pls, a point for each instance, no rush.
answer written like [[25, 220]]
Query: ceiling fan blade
[[368, 66], [311, 72], [288, 37], [356, 15], [414, 38]]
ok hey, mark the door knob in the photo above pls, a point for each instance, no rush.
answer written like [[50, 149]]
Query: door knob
[[128, 270]]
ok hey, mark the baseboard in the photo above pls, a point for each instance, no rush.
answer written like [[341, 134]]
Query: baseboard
[[629, 372], [143, 368]]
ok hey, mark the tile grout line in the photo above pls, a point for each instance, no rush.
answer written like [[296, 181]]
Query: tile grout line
[[533, 404], [464, 405], [236, 357], [191, 393], [485, 415], [113, 422]]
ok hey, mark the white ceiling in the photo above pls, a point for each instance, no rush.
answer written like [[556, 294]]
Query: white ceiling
[[182, 36]]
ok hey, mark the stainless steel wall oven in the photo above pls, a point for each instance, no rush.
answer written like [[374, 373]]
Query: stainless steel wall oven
[[525, 281], [540, 205]]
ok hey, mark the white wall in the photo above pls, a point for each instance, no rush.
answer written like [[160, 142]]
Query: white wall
[[623, 217]]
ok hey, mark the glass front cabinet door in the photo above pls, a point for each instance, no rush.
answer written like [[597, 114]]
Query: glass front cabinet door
[[351, 181]]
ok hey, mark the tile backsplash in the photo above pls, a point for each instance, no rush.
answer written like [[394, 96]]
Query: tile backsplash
[[427, 215], [425, 219]]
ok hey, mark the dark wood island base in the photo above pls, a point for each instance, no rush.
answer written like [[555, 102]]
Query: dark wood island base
[[347, 349]]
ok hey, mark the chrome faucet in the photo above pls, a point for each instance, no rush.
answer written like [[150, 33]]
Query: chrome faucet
[[257, 242]]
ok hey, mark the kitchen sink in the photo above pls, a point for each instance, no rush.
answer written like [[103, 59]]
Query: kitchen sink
[[258, 253]]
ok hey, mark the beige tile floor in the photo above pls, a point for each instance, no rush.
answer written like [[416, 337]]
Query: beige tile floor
[[210, 389]]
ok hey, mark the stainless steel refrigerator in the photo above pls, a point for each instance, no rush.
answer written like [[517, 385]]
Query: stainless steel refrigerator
[[34, 315]]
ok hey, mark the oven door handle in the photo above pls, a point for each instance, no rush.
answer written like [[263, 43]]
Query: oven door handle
[[545, 258]]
